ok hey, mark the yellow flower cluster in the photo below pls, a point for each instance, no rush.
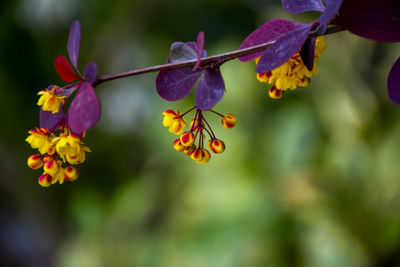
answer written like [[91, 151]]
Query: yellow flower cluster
[[54, 153], [293, 73], [186, 142]]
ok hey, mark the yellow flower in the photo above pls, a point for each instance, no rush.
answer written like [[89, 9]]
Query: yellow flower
[[293, 73], [174, 121], [70, 148], [40, 139], [59, 176], [50, 100]]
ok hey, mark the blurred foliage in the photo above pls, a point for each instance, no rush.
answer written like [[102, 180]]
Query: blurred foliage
[[310, 180]]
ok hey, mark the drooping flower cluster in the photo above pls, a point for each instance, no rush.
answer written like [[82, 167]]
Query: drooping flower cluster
[[176, 84], [67, 113], [56, 155], [291, 74], [198, 129], [290, 60]]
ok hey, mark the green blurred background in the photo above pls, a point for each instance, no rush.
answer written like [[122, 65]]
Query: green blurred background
[[310, 180]]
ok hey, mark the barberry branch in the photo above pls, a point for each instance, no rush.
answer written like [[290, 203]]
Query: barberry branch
[[216, 60]]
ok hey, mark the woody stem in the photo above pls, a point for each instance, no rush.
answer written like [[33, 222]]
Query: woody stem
[[205, 62]]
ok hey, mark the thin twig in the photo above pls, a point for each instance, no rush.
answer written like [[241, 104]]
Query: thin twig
[[207, 61]]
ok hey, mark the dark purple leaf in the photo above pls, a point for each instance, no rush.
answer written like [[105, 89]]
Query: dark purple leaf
[[74, 43], [90, 72], [180, 51], [372, 19], [268, 32], [307, 52], [175, 84], [393, 83], [50, 120], [84, 111], [283, 49], [210, 89], [331, 9], [199, 49], [300, 6]]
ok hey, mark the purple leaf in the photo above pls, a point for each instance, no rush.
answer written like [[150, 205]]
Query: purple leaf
[[175, 84], [74, 43], [210, 89], [300, 6], [67, 92], [84, 111], [180, 51], [372, 19], [283, 49], [307, 52], [50, 120], [90, 72], [393, 83], [331, 9], [199, 49], [268, 32]]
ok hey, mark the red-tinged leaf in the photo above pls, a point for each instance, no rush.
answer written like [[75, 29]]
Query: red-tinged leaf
[[175, 84], [268, 32], [300, 6], [90, 72], [65, 70], [199, 49], [84, 111], [283, 49], [372, 19], [210, 90], [74, 43], [393, 83]]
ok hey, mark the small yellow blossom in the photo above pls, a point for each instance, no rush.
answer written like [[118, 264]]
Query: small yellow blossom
[[174, 121], [40, 139], [70, 148], [50, 100]]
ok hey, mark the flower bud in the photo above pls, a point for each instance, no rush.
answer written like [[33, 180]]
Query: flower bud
[[178, 145], [206, 157], [188, 150], [275, 93], [51, 167], [217, 146], [71, 173], [45, 180], [197, 154], [47, 158], [51, 150], [229, 121], [187, 138], [35, 161]]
